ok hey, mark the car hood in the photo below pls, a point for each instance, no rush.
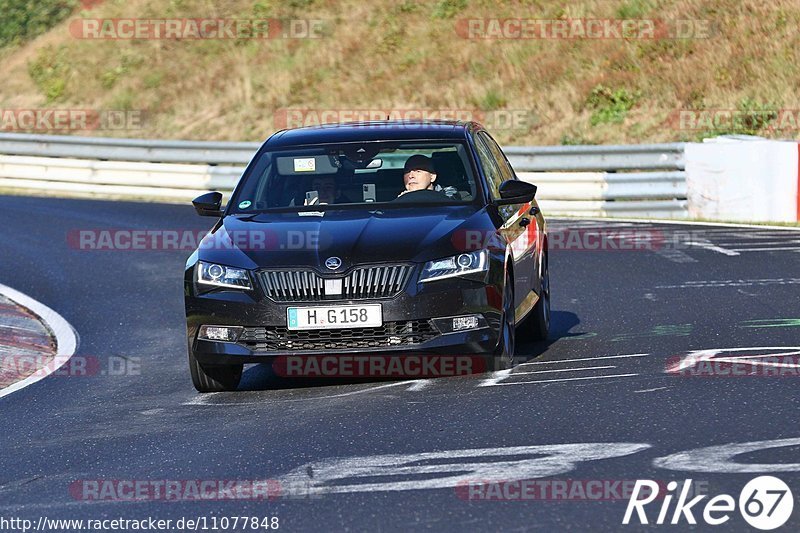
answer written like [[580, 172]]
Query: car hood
[[354, 236]]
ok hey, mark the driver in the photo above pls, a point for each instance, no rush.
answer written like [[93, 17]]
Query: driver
[[418, 174]]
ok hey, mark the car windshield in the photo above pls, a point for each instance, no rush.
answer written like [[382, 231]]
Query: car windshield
[[348, 174]]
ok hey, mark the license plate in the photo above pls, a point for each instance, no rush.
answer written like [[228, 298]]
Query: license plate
[[335, 316]]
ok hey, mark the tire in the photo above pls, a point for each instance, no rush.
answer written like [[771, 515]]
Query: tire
[[214, 378], [503, 357], [537, 324]]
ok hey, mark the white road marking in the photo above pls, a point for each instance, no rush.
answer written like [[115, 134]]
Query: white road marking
[[444, 469], [419, 384], [755, 242], [66, 337], [698, 356], [562, 361], [662, 222], [203, 399], [566, 379], [708, 245], [754, 362], [650, 390], [731, 283], [560, 370], [719, 459], [745, 356], [781, 249], [495, 377]]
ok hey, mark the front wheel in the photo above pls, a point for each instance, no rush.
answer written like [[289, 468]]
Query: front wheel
[[537, 324], [503, 357], [214, 378]]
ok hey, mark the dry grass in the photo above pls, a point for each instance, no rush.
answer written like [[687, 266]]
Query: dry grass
[[405, 55]]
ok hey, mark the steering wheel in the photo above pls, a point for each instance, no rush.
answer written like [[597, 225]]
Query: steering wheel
[[423, 195]]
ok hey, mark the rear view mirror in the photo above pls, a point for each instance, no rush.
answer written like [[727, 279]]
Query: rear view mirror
[[208, 204], [516, 192]]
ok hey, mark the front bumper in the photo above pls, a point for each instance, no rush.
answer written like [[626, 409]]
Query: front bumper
[[419, 302]]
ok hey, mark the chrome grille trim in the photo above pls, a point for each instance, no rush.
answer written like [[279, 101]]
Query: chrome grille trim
[[381, 281]]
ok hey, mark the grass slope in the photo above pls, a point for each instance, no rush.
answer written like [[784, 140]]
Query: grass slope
[[407, 55]]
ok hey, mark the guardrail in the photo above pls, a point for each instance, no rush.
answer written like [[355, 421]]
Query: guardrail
[[141, 150], [636, 180], [646, 180]]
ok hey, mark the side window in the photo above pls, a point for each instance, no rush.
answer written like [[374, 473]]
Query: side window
[[502, 163], [489, 165]]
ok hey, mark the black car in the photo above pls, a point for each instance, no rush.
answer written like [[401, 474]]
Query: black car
[[385, 238]]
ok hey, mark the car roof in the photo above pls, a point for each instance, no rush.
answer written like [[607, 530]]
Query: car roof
[[378, 130]]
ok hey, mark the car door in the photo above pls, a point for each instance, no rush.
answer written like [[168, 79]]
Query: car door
[[513, 230], [522, 230]]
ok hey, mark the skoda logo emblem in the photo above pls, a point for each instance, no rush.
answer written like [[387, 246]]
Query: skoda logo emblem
[[333, 263]]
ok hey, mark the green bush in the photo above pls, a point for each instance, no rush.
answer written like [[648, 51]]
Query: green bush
[[49, 71], [752, 117], [447, 9], [21, 20], [634, 9], [610, 106]]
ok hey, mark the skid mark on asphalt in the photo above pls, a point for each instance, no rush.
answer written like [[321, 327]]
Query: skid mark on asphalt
[[772, 323], [597, 371]]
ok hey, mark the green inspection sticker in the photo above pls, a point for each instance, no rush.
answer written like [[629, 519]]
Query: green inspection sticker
[[245, 204]]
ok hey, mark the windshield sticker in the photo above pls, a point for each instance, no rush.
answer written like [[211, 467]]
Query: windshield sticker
[[305, 164], [245, 204]]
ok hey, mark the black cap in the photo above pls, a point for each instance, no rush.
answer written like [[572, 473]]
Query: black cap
[[419, 162]]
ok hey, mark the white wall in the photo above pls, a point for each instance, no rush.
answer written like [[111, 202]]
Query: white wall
[[747, 180]]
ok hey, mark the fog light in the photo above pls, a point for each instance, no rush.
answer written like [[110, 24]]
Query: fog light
[[220, 333], [465, 322], [455, 324]]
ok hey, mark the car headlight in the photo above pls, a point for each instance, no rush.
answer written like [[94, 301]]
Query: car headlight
[[458, 265], [222, 276]]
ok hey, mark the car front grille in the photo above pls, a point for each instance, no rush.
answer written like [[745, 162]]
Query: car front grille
[[362, 282], [401, 333]]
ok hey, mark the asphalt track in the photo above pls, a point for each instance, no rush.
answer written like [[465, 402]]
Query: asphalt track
[[719, 288]]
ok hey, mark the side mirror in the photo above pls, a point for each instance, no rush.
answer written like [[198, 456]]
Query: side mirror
[[208, 204], [515, 192]]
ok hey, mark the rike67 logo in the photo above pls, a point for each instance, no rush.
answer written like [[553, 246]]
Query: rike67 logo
[[765, 503]]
